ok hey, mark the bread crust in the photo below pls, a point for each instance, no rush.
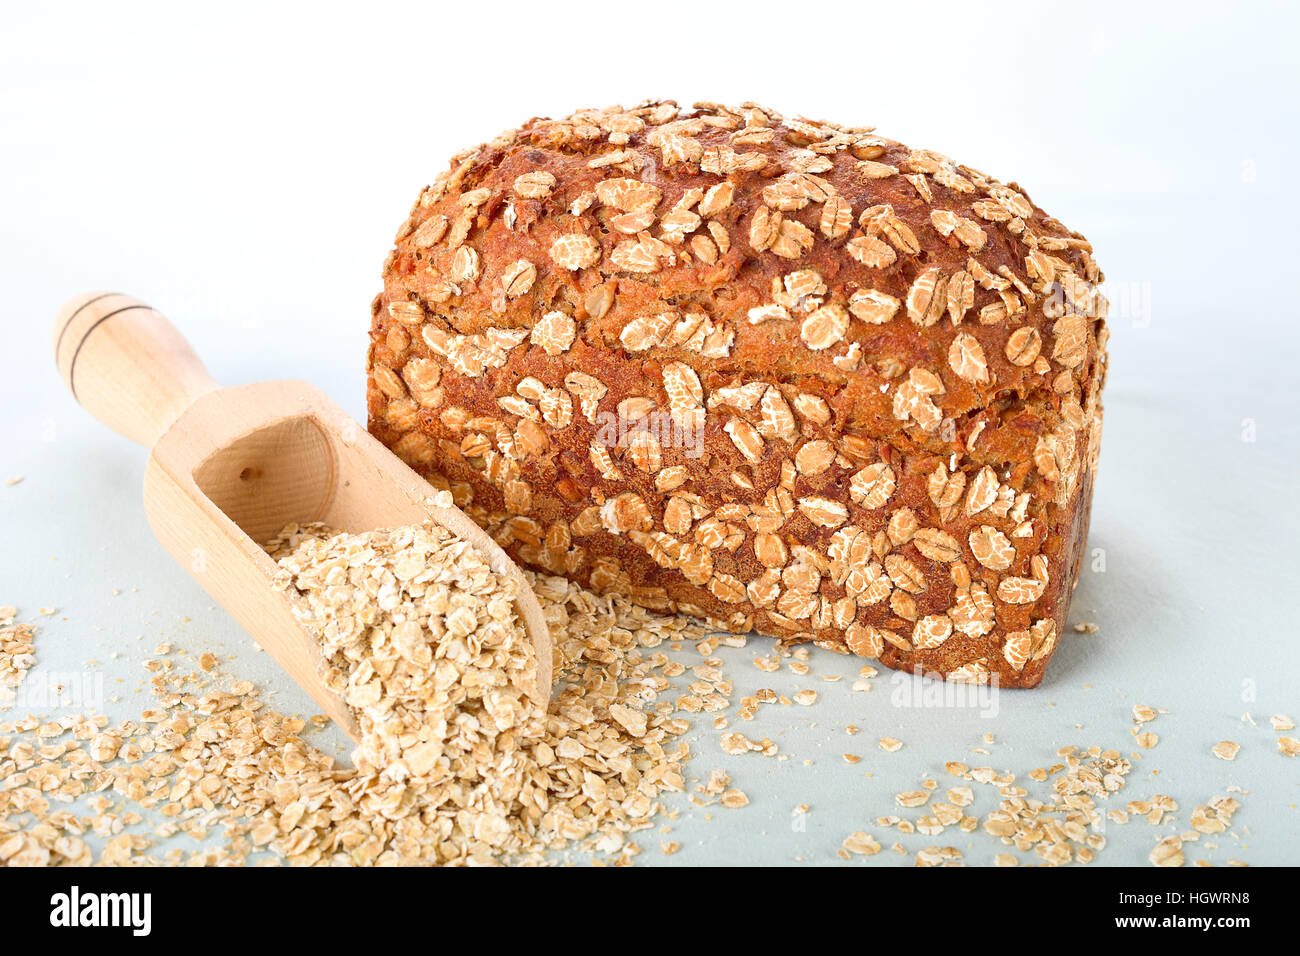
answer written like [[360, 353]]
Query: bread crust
[[787, 376]]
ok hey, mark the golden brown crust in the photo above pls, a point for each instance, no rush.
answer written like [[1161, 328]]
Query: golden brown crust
[[785, 375]]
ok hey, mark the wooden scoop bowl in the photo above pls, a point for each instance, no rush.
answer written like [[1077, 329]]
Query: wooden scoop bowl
[[230, 467]]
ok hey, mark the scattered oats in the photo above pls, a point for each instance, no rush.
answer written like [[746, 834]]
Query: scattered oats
[[1214, 817], [1288, 746], [734, 799], [806, 698], [939, 856], [633, 721], [1086, 627], [890, 744], [719, 781], [1146, 740], [417, 792], [1226, 749], [735, 744], [17, 656], [1142, 713], [1279, 721], [863, 844], [1168, 852]]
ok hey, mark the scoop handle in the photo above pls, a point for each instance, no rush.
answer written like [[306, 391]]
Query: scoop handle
[[126, 364]]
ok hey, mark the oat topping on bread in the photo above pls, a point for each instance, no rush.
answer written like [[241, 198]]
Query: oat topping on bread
[[780, 374]]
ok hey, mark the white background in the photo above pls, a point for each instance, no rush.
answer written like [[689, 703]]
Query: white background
[[245, 170]]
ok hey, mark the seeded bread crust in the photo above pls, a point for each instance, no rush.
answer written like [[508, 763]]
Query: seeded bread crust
[[787, 376]]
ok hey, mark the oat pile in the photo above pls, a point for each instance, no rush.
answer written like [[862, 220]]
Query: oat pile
[[457, 762], [421, 639], [208, 758]]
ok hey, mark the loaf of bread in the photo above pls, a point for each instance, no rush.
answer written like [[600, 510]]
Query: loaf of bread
[[787, 376]]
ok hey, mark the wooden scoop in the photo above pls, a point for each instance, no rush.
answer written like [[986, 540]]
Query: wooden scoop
[[230, 467]]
